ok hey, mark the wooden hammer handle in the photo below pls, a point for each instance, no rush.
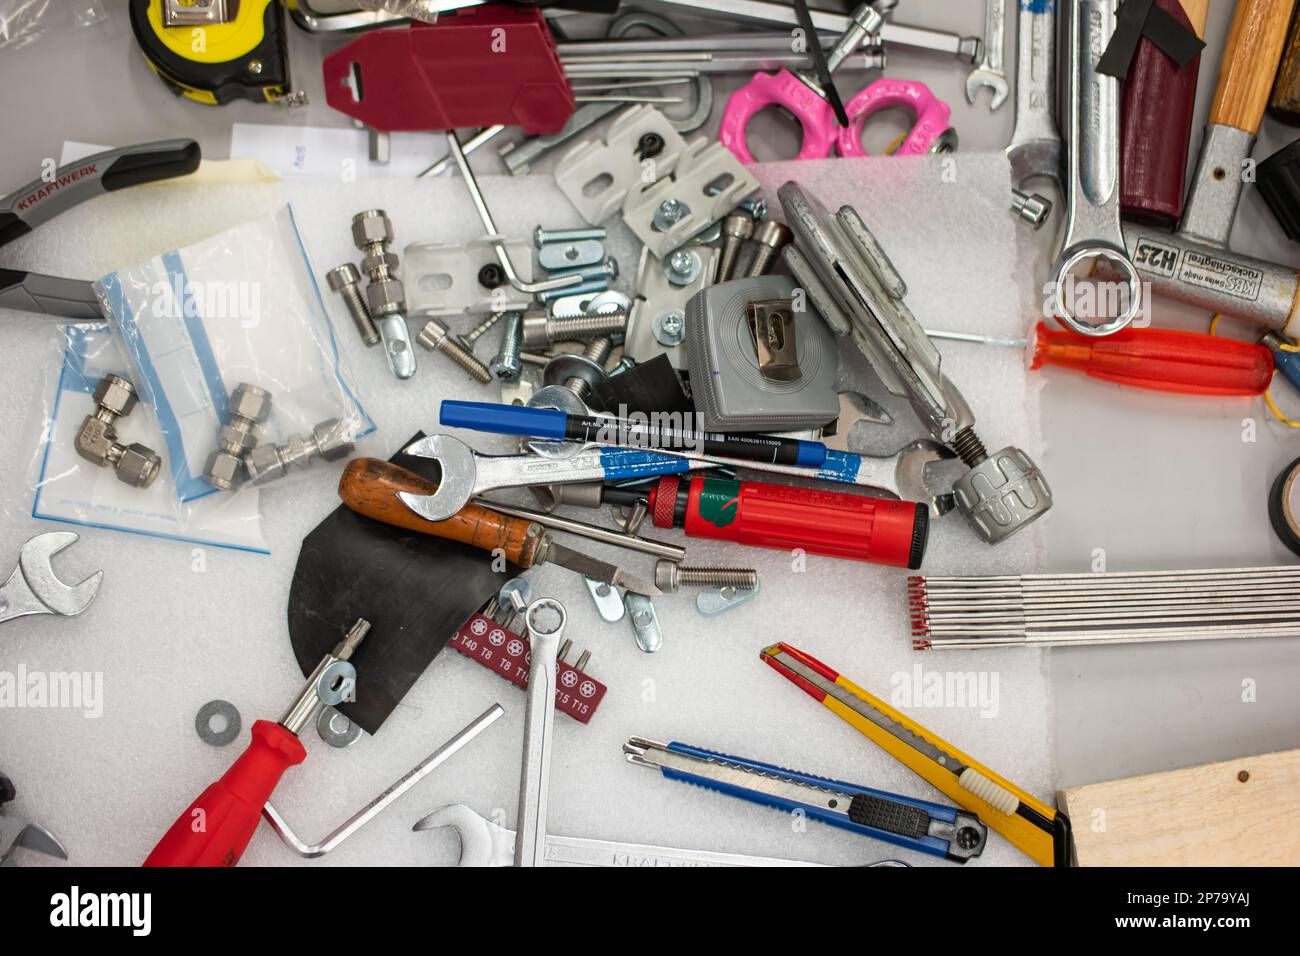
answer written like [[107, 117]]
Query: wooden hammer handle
[[369, 487], [1250, 61]]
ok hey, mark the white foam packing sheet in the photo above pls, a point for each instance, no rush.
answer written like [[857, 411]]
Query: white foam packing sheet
[[176, 626]]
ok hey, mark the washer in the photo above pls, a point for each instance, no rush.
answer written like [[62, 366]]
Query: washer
[[203, 723]]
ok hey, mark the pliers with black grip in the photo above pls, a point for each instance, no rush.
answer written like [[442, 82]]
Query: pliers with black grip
[[47, 196]]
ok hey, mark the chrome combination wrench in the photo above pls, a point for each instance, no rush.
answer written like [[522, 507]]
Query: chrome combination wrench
[[539, 721], [1093, 231], [990, 73], [1035, 150]]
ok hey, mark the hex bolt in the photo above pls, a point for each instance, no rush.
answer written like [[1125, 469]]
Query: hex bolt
[[135, 465], [669, 576], [345, 280], [372, 231], [248, 408], [328, 441], [770, 237], [435, 337], [736, 228], [543, 237], [505, 367], [541, 331]]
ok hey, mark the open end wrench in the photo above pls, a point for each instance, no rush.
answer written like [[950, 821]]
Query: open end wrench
[[990, 73], [467, 474], [1093, 231], [1035, 150], [34, 588], [483, 843], [534, 779]]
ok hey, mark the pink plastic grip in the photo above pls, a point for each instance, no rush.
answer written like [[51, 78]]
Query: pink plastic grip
[[931, 112], [782, 89]]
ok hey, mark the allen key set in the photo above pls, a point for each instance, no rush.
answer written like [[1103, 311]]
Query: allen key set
[[674, 405]]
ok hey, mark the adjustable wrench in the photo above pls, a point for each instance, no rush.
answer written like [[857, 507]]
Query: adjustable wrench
[[990, 73], [1093, 232], [483, 843], [1035, 149], [34, 588], [539, 720]]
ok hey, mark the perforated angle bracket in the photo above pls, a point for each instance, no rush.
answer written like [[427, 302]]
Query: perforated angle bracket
[[467, 277]]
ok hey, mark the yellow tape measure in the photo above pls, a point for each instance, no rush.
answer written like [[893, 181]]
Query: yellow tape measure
[[215, 51]]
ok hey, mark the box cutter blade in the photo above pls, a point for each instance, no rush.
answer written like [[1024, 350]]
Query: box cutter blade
[[915, 824], [1034, 828]]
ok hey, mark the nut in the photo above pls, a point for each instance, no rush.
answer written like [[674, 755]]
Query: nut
[[264, 463], [138, 466], [331, 442], [116, 394], [373, 225], [251, 402], [235, 440], [223, 470]]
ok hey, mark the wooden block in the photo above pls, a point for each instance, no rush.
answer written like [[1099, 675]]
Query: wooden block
[[1236, 813]]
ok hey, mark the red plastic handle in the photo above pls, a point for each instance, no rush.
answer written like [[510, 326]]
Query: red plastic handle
[[1162, 360], [218, 825], [786, 517]]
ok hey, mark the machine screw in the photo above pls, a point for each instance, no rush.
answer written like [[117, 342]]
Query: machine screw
[[670, 212], [542, 237], [435, 337], [757, 208], [590, 287], [682, 267], [736, 228], [607, 270], [539, 330], [346, 281], [476, 333], [372, 231], [769, 237], [135, 465], [505, 366], [248, 408], [669, 328], [669, 576], [327, 441]]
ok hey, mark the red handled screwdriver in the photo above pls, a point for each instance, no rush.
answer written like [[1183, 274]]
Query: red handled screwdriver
[[1161, 360], [216, 827], [786, 517]]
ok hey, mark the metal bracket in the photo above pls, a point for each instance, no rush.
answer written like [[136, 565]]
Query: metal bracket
[[598, 177], [658, 296], [645, 623], [443, 279], [706, 183]]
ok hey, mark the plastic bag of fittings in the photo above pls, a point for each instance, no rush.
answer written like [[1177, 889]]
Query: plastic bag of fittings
[[22, 21], [98, 460], [229, 343]]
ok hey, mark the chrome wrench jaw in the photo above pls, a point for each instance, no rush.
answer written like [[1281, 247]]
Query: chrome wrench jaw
[[544, 638], [34, 588], [1035, 148], [1093, 228], [990, 73]]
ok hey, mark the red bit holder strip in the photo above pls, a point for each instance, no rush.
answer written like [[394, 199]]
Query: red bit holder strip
[[506, 653]]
